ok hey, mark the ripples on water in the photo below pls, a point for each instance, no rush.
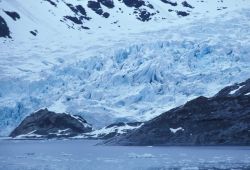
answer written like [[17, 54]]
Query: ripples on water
[[84, 155]]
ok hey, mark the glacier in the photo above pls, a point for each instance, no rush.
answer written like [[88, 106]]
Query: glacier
[[131, 78]]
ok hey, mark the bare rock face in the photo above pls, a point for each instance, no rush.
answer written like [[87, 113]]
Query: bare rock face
[[47, 124], [220, 120]]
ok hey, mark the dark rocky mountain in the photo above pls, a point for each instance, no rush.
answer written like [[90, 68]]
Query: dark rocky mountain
[[220, 120], [47, 124]]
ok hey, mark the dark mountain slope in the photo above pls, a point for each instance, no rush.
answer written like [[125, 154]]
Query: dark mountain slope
[[220, 120]]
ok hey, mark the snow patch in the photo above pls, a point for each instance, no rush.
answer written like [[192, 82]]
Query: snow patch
[[29, 135], [173, 130], [79, 119], [117, 129], [234, 91], [247, 93]]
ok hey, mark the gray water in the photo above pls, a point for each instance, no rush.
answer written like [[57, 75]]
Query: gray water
[[84, 155]]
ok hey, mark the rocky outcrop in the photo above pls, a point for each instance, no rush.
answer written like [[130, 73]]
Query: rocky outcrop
[[220, 120], [12, 14], [47, 124], [4, 29]]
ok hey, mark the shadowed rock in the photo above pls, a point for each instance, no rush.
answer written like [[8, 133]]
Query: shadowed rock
[[186, 4], [96, 7], [4, 29], [51, 2], [182, 13], [14, 15], [170, 2], [107, 3]]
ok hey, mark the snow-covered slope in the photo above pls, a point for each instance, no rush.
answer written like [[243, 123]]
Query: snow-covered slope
[[44, 19], [114, 74]]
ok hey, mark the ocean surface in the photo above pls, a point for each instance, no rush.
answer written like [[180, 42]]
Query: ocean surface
[[86, 155]]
